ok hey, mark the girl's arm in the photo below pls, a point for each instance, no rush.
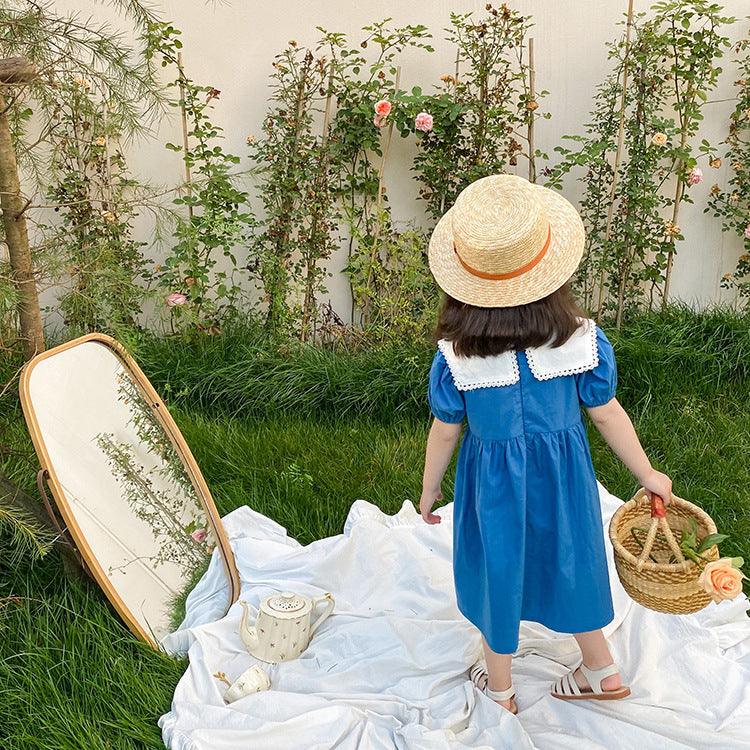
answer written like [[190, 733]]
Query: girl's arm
[[440, 446], [616, 428]]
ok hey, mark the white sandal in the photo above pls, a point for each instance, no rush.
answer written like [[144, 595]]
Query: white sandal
[[480, 677], [567, 689]]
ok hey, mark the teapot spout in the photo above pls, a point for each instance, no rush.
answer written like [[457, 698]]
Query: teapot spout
[[248, 633]]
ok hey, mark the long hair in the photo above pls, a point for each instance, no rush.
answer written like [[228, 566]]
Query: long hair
[[485, 331]]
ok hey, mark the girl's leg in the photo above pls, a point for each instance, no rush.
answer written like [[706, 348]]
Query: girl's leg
[[596, 655], [498, 669]]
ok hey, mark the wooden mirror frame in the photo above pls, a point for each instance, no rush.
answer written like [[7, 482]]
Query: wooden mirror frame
[[178, 441]]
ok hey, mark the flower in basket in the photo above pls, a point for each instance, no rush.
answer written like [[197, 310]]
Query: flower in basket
[[722, 579]]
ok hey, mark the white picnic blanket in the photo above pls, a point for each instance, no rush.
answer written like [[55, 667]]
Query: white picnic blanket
[[388, 669]]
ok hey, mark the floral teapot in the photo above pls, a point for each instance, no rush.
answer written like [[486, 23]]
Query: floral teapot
[[284, 627]]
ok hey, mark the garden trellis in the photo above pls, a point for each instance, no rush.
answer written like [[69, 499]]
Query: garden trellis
[[665, 68], [260, 240], [732, 204]]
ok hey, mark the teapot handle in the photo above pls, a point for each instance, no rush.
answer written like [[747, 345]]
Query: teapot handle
[[327, 611]]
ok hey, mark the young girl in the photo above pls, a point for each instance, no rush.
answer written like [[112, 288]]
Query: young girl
[[516, 359]]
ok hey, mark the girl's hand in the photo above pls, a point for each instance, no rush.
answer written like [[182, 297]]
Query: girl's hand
[[659, 484], [428, 499]]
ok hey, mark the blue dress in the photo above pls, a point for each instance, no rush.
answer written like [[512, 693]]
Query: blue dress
[[528, 542]]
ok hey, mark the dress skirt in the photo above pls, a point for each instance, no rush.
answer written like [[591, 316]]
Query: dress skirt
[[527, 536]]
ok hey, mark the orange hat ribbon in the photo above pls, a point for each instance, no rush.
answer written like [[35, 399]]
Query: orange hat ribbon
[[511, 274]]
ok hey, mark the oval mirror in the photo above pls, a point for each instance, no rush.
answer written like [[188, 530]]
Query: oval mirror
[[125, 483]]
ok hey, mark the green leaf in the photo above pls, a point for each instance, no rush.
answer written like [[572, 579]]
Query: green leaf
[[709, 541], [737, 562]]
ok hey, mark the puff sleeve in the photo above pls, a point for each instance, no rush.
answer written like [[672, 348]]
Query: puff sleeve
[[446, 401], [598, 386]]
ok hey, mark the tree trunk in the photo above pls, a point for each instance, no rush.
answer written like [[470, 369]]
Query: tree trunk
[[17, 70], [14, 497], [14, 221]]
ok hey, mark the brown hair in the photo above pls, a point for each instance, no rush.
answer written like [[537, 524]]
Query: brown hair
[[484, 331]]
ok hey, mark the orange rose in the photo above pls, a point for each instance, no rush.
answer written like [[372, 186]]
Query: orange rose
[[383, 108], [721, 580]]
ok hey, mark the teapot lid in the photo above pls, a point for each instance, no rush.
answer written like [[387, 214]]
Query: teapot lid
[[286, 602]]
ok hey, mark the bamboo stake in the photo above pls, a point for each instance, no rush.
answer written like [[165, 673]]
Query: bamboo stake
[[379, 202], [107, 154], [532, 117], [286, 229], [388, 137], [481, 128], [618, 153], [627, 265], [455, 98], [185, 141], [309, 300], [679, 190], [329, 100]]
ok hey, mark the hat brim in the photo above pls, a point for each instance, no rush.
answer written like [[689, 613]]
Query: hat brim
[[559, 263]]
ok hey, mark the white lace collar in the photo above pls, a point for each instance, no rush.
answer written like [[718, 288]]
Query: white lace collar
[[578, 354]]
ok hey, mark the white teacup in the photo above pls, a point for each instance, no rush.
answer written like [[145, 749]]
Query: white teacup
[[252, 680]]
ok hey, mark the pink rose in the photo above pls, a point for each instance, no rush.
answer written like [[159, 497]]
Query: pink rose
[[747, 231], [383, 108], [695, 176], [423, 122], [176, 299], [721, 580], [378, 121], [199, 535]]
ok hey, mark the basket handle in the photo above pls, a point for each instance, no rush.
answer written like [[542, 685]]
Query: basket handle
[[658, 521]]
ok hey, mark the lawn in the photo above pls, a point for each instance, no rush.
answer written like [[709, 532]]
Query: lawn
[[299, 434]]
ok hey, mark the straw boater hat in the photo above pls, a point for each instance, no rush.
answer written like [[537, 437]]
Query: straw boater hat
[[506, 242]]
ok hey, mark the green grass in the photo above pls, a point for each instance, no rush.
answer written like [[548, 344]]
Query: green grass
[[71, 675], [299, 434], [240, 374]]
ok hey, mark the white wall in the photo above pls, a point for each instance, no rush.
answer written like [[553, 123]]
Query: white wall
[[230, 45]]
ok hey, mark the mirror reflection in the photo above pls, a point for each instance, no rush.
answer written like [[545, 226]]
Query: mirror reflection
[[124, 483]]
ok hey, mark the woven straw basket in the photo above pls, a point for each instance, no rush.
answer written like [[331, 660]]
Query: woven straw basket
[[643, 563]]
